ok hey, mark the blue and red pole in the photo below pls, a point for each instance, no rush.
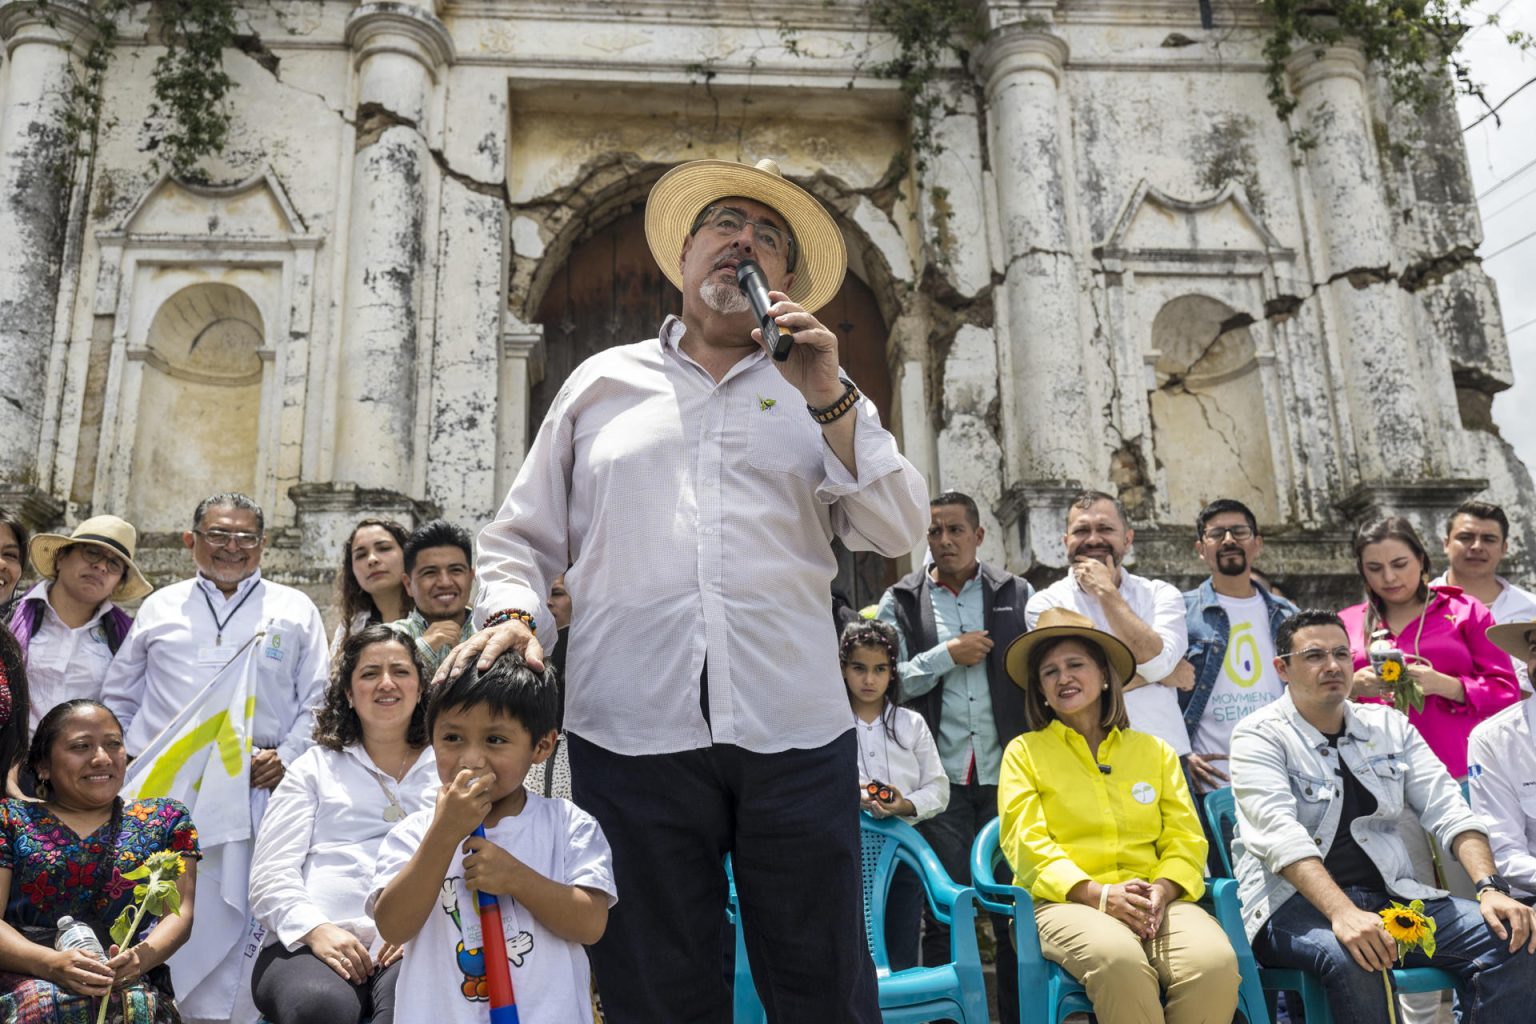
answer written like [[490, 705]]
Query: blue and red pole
[[498, 973]]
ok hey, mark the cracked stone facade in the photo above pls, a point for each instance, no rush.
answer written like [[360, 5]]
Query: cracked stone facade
[[1114, 270]]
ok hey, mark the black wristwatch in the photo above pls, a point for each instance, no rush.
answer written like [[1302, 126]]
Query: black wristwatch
[[1495, 882]]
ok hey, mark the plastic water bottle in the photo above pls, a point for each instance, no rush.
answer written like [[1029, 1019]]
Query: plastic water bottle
[[78, 935]]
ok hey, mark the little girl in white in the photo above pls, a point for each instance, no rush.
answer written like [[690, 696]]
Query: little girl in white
[[897, 750]]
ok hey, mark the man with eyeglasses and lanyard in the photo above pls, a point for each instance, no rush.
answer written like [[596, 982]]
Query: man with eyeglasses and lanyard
[[1320, 784], [183, 635], [1232, 622], [693, 485]]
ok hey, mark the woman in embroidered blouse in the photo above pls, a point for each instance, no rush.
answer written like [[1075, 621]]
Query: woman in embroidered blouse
[[1097, 822], [68, 855], [313, 862], [1464, 676]]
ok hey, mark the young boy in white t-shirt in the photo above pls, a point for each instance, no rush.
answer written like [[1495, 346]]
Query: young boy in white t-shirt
[[546, 859]]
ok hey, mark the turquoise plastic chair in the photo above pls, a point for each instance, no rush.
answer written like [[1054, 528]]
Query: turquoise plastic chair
[[953, 991], [1056, 994], [1221, 813], [746, 1007]]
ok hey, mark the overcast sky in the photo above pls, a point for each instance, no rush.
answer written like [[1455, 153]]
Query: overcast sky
[[1503, 160]]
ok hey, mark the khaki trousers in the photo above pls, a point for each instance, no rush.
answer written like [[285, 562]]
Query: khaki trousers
[[1190, 962]]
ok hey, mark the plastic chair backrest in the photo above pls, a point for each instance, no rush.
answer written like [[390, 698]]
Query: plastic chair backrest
[[1008, 900], [1221, 813]]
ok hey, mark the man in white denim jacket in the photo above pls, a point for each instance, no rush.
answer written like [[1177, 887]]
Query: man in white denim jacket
[[1319, 784]]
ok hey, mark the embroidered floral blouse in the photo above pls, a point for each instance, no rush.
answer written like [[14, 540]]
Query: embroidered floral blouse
[[56, 872]]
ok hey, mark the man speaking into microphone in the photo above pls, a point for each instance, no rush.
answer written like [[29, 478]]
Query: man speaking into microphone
[[694, 485]]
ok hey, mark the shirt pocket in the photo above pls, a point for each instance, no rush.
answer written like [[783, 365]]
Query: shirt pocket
[[782, 438], [1314, 795], [1389, 773]]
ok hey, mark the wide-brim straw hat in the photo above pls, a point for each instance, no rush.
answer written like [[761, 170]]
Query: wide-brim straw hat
[[682, 192], [107, 532], [1058, 622], [1511, 638]]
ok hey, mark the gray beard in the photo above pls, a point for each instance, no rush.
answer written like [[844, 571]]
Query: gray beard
[[724, 298]]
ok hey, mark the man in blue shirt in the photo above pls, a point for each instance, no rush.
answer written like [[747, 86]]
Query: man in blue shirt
[[955, 620]]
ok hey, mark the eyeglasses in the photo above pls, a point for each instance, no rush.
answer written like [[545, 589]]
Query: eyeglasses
[[1316, 657], [223, 538], [99, 557], [729, 221], [1239, 533]]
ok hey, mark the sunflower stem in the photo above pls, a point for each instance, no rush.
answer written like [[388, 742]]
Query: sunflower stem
[[1386, 981]]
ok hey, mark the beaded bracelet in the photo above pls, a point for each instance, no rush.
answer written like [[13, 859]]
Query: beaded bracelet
[[507, 615], [834, 412]]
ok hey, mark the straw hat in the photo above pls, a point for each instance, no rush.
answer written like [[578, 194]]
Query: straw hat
[[686, 189], [1515, 639], [1056, 622], [108, 532]]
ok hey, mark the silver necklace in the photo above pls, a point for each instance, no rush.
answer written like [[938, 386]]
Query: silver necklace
[[394, 812]]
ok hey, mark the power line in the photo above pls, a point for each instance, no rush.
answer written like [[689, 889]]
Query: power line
[[1485, 193], [1523, 195], [1503, 249], [1493, 110], [1522, 327]]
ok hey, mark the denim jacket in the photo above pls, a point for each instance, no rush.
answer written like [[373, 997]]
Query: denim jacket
[[1208, 631], [1284, 779]]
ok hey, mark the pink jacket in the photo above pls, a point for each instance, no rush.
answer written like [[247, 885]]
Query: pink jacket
[[1455, 642]]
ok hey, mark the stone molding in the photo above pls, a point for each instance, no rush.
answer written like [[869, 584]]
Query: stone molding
[[1015, 49], [37, 508], [63, 23], [1313, 64], [390, 27]]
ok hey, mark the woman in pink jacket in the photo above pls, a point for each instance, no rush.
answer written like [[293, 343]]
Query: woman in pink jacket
[[1441, 630]]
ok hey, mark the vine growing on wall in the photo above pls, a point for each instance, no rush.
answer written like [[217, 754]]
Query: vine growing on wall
[[926, 32], [188, 118], [1407, 41]]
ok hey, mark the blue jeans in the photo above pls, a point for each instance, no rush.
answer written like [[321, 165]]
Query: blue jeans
[[1498, 984]]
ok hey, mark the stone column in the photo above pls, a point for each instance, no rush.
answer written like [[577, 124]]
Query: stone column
[[522, 366], [37, 153], [1042, 345], [1389, 400], [400, 49]]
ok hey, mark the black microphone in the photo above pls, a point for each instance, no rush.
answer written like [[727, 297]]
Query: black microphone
[[755, 287], [1105, 769]]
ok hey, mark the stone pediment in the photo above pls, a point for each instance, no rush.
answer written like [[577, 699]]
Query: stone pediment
[[256, 209], [1155, 224]]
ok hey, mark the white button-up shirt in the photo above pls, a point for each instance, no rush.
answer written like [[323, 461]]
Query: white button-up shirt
[[63, 663], [172, 652], [1501, 779], [314, 857], [697, 519], [1514, 604], [908, 760], [1153, 709]]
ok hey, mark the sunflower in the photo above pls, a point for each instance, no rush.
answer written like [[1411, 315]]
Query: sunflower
[[1390, 672], [1404, 925]]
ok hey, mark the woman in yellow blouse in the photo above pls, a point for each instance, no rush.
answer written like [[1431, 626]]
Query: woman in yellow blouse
[[1097, 822]]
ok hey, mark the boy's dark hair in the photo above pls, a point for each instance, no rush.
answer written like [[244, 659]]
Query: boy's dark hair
[[1479, 510], [439, 533], [972, 514], [1304, 619], [509, 687], [1220, 506]]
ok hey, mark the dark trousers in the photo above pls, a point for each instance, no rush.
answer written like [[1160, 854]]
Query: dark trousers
[[1498, 984], [904, 903], [790, 821], [296, 988], [951, 833]]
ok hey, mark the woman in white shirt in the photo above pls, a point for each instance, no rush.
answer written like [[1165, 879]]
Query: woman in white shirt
[[370, 584], [314, 856], [900, 774]]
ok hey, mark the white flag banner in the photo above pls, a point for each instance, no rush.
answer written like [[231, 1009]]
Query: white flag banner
[[203, 757]]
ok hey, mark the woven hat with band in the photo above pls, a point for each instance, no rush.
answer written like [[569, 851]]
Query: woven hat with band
[[106, 532], [1058, 622], [683, 192], [1515, 639]]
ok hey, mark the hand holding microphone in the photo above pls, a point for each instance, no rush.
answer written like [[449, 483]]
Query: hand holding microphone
[[749, 276]]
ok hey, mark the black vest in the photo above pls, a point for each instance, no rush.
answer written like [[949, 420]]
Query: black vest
[[1003, 597]]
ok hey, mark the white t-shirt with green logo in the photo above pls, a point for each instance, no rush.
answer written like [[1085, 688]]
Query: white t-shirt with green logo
[[1247, 680]]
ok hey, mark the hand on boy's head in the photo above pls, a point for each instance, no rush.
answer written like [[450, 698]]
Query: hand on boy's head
[[489, 868], [463, 803], [487, 645]]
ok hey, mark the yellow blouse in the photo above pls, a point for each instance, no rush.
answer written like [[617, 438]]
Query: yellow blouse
[[1065, 821]]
